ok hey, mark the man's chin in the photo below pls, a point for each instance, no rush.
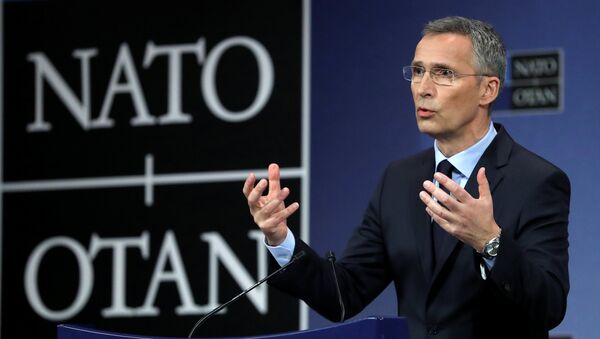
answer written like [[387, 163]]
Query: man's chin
[[427, 127]]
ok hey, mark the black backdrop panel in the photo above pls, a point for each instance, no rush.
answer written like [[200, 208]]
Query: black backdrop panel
[[115, 214], [206, 142], [127, 132]]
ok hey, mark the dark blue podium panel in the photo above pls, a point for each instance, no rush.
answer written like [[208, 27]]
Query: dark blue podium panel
[[372, 327]]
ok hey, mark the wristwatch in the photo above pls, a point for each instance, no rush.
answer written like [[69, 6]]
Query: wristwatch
[[490, 249]]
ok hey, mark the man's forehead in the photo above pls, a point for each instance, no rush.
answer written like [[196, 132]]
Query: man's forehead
[[444, 49]]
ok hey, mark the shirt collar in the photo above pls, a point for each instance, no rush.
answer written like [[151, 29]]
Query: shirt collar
[[465, 161]]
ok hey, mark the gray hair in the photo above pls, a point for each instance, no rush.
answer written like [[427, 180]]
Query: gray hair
[[489, 54]]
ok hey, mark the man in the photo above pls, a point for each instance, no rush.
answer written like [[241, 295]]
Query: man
[[485, 259]]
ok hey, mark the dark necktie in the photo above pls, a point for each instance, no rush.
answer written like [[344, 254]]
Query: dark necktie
[[440, 236]]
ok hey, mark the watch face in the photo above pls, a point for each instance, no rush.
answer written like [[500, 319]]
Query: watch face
[[491, 249], [494, 249]]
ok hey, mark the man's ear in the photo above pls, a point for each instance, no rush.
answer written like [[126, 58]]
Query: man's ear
[[489, 90]]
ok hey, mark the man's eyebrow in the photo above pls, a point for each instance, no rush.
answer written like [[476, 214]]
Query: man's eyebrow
[[440, 65], [435, 65]]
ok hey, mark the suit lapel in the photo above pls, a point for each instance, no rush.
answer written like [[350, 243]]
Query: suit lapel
[[422, 221]]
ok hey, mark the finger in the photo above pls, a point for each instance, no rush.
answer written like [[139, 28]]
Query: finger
[[275, 203], [453, 187], [439, 220], [484, 186], [279, 217], [441, 196], [287, 212], [274, 179], [249, 184], [435, 207], [284, 193], [256, 193]]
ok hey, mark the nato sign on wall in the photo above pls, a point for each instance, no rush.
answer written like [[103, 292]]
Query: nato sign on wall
[[127, 134], [534, 83]]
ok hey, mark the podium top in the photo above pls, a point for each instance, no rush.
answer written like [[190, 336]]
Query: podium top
[[371, 327]]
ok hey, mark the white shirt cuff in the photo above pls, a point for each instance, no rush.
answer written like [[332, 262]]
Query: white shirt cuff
[[489, 263]]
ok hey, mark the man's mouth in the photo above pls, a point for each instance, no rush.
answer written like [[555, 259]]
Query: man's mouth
[[424, 112]]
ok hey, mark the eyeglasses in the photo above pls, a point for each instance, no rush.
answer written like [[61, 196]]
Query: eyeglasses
[[439, 75]]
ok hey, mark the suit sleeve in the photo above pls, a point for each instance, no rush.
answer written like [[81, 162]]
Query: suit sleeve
[[531, 270], [363, 270]]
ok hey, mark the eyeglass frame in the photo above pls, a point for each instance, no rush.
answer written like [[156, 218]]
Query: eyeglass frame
[[435, 77]]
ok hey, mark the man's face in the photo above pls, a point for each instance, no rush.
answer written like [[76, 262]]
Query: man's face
[[447, 112]]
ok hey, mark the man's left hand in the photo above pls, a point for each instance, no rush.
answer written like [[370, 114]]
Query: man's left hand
[[468, 219]]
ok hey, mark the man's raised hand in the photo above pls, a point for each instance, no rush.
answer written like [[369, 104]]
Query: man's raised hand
[[269, 211], [464, 217]]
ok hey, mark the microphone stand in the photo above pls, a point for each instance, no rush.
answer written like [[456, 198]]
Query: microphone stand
[[222, 306]]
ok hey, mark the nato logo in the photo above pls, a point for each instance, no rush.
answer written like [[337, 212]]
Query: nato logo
[[534, 84]]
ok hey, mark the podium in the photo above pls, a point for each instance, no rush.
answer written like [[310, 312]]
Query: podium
[[371, 327]]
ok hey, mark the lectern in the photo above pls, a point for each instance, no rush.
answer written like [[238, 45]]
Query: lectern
[[367, 328]]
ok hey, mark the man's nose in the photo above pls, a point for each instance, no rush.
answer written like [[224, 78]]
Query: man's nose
[[426, 87]]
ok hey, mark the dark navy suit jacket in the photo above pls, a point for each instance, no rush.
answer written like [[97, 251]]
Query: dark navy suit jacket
[[525, 293]]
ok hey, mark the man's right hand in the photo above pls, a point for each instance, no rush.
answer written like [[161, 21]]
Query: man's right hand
[[269, 211]]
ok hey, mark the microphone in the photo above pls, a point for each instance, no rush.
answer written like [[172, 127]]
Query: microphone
[[331, 258], [295, 258]]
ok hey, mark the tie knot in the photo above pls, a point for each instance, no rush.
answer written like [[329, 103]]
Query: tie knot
[[446, 168]]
